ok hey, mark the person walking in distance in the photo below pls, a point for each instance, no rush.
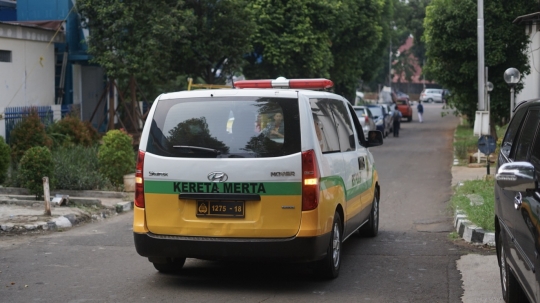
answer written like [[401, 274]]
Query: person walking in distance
[[397, 121], [420, 109]]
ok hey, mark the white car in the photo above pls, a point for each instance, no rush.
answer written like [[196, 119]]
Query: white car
[[366, 119], [431, 95], [272, 169]]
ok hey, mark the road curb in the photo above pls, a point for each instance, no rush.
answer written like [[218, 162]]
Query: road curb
[[470, 232]]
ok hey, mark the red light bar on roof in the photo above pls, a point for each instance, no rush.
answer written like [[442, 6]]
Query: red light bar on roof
[[285, 83]]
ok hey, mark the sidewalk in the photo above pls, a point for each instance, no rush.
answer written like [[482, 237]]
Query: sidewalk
[[20, 212]]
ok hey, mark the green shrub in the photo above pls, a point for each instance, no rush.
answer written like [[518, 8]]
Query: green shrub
[[14, 177], [36, 163], [76, 168], [5, 159], [116, 157], [26, 134], [71, 131]]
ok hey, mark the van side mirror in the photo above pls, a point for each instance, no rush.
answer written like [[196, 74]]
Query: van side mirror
[[375, 138], [516, 176]]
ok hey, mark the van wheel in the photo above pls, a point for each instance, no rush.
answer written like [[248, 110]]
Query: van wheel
[[328, 268], [168, 265], [409, 119], [511, 290], [371, 228]]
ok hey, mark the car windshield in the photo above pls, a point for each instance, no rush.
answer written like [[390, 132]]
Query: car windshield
[[227, 127], [376, 111], [360, 112]]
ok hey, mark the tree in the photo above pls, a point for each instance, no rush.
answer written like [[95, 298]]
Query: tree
[[312, 38], [404, 66], [451, 43], [395, 33], [357, 38], [292, 39], [134, 38], [218, 42], [415, 24]]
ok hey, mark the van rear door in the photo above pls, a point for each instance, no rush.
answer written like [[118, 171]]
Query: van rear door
[[224, 167]]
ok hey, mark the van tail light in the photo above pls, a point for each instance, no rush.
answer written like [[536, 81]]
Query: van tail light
[[366, 119], [310, 180], [139, 180]]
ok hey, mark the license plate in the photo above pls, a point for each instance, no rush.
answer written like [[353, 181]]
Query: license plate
[[220, 209]]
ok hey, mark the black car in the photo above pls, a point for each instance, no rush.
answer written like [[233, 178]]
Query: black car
[[517, 206]]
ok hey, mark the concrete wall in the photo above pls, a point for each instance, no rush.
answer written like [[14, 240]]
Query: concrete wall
[[29, 78], [531, 82]]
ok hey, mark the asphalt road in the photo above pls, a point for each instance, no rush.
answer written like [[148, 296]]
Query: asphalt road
[[412, 259]]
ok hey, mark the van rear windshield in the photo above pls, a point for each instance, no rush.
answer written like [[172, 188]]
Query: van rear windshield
[[225, 127]]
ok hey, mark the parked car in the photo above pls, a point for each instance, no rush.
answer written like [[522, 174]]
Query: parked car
[[517, 205], [431, 95], [366, 119], [383, 120], [405, 108], [390, 108], [292, 180]]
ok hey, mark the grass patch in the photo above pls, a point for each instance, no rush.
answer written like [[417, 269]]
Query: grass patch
[[482, 215], [453, 236], [465, 142]]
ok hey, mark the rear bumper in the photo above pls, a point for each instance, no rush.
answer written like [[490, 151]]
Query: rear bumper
[[294, 249]]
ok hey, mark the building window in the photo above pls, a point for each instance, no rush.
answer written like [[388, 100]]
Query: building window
[[5, 56]]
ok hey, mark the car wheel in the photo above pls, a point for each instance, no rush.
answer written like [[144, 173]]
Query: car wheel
[[430, 100], [328, 268], [409, 119], [511, 290], [169, 265], [371, 228]]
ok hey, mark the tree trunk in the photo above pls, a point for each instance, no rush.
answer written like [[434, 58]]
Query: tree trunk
[[134, 103]]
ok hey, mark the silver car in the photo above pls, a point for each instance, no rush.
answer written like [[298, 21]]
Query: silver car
[[431, 95], [366, 119]]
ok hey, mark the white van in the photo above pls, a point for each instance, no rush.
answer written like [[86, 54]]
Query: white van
[[273, 169]]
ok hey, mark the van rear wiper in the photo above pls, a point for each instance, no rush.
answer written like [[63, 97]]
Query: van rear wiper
[[217, 152]]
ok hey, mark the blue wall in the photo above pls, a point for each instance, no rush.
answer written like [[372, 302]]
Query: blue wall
[[8, 14]]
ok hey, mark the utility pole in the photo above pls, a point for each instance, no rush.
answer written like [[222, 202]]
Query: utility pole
[[390, 65], [481, 77]]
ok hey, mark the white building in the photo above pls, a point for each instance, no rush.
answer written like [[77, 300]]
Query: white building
[[531, 82], [27, 67]]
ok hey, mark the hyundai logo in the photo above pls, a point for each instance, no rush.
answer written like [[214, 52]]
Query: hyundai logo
[[217, 176]]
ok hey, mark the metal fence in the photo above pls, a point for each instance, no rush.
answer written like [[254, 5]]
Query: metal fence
[[14, 115]]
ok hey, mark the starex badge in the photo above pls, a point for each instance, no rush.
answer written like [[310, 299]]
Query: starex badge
[[217, 176]]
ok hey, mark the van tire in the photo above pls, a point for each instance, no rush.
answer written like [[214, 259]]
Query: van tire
[[511, 290], [328, 268], [371, 228], [169, 265]]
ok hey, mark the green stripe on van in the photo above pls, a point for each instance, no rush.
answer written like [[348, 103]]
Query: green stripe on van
[[264, 188], [331, 181]]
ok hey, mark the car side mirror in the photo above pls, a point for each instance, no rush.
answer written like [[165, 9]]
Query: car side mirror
[[375, 138], [516, 176]]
